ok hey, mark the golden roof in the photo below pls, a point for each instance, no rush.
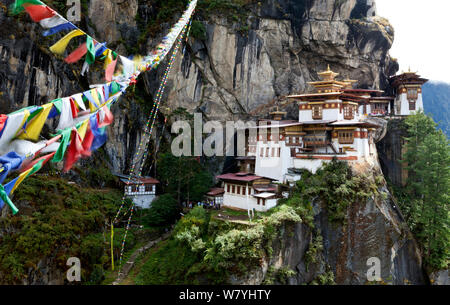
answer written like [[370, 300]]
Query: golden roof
[[328, 75]]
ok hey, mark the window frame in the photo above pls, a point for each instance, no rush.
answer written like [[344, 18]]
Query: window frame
[[349, 112], [348, 138], [319, 110]]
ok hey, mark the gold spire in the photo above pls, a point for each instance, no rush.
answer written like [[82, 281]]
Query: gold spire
[[277, 115], [328, 75]]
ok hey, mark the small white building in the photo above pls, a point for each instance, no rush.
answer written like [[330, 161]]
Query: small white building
[[408, 88], [247, 191], [142, 191], [215, 195]]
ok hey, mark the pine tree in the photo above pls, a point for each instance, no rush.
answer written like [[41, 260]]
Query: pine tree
[[428, 183]]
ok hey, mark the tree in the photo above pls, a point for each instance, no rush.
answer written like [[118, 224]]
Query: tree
[[164, 211], [426, 204], [183, 177]]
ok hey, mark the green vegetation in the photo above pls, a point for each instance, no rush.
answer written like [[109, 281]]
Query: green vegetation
[[57, 221], [183, 177], [198, 30], [425, 199], [336, 186], [280, 275], [236, 11], [164, 211], [206, 250]]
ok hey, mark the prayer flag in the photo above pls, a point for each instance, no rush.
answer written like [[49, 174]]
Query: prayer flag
[[9, 162], [34, 128], [59, 155], [39, 12], [61, 45], [61, 27], [77, 54]]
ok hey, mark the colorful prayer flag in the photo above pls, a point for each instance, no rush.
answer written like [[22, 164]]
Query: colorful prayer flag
[[61, 45], [39, 12]]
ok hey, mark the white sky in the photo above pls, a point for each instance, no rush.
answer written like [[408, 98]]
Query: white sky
[[422, 35]]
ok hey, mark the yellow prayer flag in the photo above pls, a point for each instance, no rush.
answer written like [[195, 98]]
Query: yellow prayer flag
[[108, 59], [61, 45], [94, 94], [22, 176], [33, 130], [24, 120], [83, 128]]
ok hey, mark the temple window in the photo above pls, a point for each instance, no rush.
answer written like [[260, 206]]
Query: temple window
[[228, 188], [261, 153], [412, 94], [317, 112], [346, 137], [412, 105], [348, 112]]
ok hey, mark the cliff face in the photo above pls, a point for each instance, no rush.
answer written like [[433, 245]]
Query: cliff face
[[390, 152], [231, 74], [373, 229]]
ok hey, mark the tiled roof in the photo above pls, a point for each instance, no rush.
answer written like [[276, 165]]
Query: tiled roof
[[215, 191], [245, 178], [143, 180]]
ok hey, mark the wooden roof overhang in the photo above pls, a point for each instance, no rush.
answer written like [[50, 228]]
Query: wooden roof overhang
[[408, 78], [315, 96]]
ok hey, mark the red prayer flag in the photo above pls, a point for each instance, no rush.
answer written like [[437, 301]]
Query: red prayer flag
[[34, 162], [73, 107], [87, 142], [108, 118], [3, 118], [77, 54], [74, 151], [39, 12], [110, 70]]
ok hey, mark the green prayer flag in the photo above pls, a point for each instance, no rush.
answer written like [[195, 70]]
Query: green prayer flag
[[59, 155], [58, 103], [115, 87], [17, 6], [90, 55], [8, 201], [36, 168]]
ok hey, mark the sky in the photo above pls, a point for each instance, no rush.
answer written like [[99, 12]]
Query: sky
[[422, 35]]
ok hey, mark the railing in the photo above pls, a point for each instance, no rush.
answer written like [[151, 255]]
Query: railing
[[316, 143], [139, 193]]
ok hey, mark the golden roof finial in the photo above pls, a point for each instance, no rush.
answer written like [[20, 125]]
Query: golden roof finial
[[328, 69]]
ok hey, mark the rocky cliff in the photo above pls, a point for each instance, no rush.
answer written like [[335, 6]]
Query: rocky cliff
[[232, 72], [373, 228]]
